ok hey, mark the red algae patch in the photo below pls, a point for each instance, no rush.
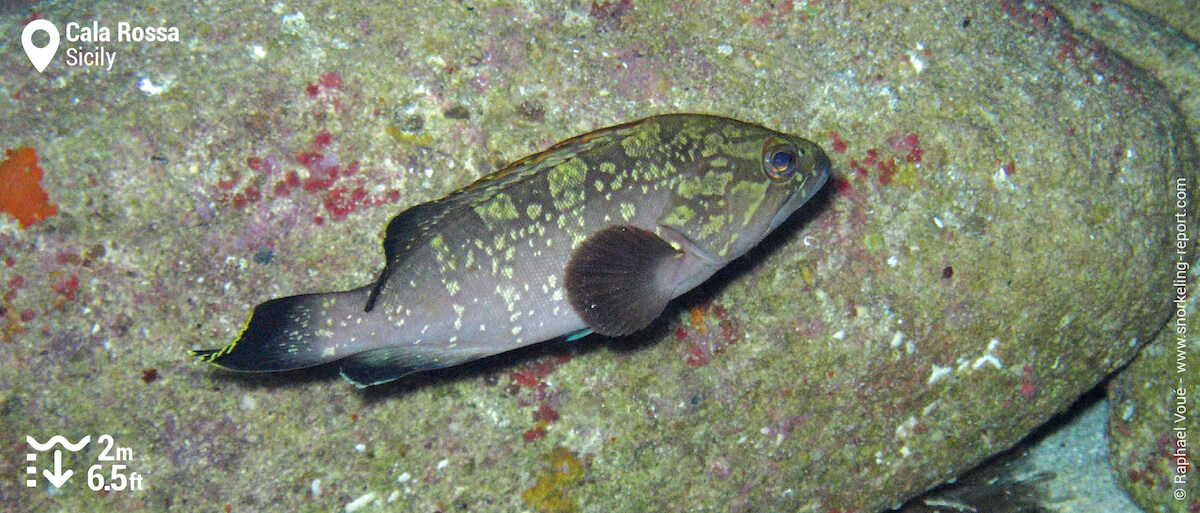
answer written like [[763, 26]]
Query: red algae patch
[[21, 194]]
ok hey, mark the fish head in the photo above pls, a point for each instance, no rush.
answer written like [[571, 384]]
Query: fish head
[[742, 182]]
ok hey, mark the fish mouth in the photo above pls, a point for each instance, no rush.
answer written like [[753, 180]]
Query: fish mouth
[[819, 176]]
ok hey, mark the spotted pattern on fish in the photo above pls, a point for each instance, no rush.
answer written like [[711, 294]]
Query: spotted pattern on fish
[[595, 234]]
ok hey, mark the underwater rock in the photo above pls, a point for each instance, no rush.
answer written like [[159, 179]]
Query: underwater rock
[[1144, 33], [1183, 15], [1151, 413], [1146, 395], [995, 242]]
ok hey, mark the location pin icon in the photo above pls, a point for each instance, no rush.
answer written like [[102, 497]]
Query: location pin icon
[[40, 57]]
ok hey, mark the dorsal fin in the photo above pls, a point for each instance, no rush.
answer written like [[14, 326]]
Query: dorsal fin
[[406, 231]]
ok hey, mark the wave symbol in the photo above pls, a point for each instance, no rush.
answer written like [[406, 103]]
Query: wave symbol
[[57, 439]]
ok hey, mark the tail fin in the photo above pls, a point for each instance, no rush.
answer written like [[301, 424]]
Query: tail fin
[[292, 333]]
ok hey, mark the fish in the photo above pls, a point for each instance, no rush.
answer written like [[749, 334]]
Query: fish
[[596, 234]]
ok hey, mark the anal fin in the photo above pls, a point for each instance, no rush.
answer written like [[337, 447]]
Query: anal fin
[[391, 363]]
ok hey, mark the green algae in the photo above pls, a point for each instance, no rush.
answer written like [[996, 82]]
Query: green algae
[[873, 241]]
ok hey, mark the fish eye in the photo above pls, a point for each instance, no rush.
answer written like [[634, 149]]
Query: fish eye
[[779, 160]]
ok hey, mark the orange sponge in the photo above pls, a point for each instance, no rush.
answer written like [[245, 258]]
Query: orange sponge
[[21, 193]]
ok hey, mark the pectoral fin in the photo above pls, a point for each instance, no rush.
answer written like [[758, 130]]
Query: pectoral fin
[[620, 279]]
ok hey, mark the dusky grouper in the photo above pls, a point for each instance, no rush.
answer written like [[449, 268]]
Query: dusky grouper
[[595, 234]]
